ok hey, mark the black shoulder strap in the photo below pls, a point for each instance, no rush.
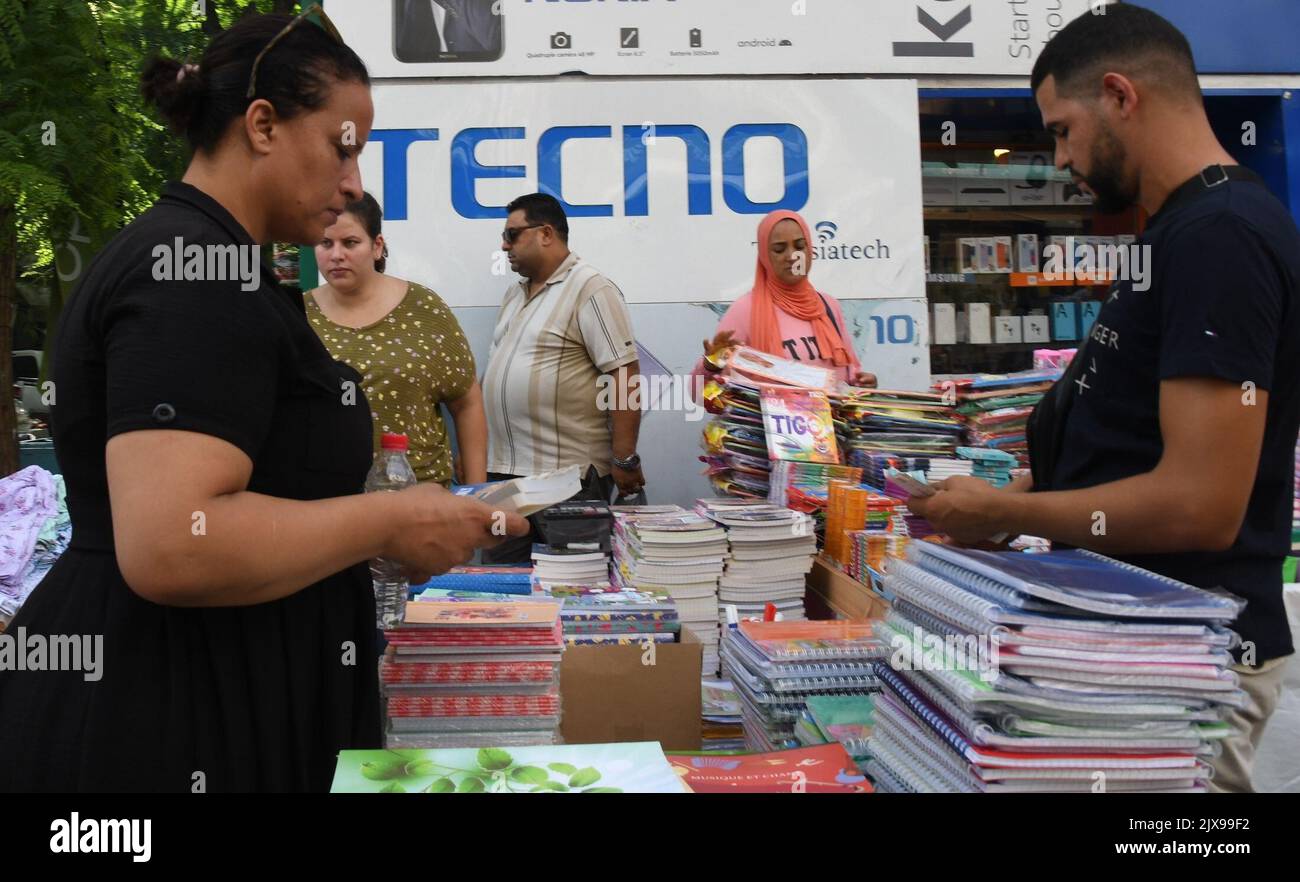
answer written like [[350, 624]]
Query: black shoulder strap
[[830, 314]]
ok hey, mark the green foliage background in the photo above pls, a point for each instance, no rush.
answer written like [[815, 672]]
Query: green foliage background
[[80, 153]]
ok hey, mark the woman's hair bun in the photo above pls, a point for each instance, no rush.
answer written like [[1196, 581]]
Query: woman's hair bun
[[175, 88]]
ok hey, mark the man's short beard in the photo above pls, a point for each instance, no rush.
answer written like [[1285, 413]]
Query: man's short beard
[[1107, 180]]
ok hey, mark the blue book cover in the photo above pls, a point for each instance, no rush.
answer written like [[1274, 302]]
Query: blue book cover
[[1077, 579], [1065, 321], [1087, 315]]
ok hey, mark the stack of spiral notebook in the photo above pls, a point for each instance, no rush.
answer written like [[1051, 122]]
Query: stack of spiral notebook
[[777, 666], [1061, 671]]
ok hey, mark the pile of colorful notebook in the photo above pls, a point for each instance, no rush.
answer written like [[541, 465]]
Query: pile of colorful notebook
[[771, 553], [855, 508], [735, 444], [619, 618], [480, 580], [992, 465], [844, 719], [721, 727], [461, 673], [777, 666], [870, 550], [876, 425], [995, 409], [1062, 671], [670, 552]]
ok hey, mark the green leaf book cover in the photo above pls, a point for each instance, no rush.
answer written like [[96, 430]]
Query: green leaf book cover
[[638, 767]]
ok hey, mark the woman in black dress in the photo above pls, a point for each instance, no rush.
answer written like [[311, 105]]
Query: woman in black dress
[[214, 456]]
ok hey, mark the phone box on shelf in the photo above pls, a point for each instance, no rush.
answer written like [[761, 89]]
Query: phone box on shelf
[[944, 327], [977, 323], [1027, 256], [1035, 328], [1007, 329]]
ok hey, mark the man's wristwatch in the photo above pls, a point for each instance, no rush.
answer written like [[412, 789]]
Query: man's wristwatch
[[631, 464]]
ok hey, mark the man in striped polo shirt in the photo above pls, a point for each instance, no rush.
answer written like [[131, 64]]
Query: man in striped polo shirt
[[561, 327]]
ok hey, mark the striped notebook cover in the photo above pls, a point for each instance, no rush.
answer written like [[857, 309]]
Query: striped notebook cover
[[471, 672], [474, 705]]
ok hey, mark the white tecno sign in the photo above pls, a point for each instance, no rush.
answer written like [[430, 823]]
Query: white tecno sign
[[664, 187]]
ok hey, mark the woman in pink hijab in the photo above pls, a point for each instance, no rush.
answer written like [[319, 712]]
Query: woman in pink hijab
[[783, 314]]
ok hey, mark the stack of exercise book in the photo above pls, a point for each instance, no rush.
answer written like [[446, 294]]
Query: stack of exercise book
[[771, 553], [777, 666], [562, 571], [619, 618], [1043, 672], [677, 554], [995, 409], [460, 673], [877, 425]]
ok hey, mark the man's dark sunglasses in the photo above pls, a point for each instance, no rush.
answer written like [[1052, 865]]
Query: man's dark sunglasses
[[512, 234]]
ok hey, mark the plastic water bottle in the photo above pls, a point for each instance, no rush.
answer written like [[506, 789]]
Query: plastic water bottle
[[391, 471]]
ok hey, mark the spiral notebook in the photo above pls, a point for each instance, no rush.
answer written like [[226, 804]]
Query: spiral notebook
[[1078, 579], [899, 697]]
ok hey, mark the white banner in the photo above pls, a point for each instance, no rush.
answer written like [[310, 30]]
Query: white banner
[[664, 183], [481, 38]]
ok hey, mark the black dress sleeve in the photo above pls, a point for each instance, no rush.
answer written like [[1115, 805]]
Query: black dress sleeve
[[199, 356]]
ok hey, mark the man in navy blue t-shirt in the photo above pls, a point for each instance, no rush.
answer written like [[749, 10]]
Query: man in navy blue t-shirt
[[1170, 442]]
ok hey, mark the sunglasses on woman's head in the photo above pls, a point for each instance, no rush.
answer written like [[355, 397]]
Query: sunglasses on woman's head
[[323, 22]]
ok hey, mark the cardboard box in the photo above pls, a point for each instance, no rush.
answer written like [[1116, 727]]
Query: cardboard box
[[611, 694], [831, 594]]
